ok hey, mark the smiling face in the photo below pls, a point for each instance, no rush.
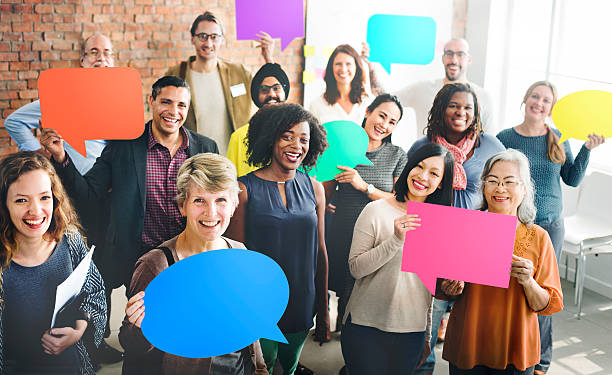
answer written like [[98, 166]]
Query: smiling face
[[456, 58], [504, 199], [207, 49], [98, 52], [344, 68], [425, 178], [208, 214], [292, 146], [539, 103], [29, 201], [459, 114], [271, 91], [381, 122], [169, 109]]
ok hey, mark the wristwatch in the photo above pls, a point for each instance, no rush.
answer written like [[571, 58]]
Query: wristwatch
[[370, 189]]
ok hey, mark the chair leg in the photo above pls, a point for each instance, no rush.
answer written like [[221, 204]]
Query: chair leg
[[566, 260], [576, 272], [581, 281]]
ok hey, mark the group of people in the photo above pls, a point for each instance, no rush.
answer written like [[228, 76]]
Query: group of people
[[150, 202]]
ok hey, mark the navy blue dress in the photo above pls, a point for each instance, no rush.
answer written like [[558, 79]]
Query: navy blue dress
[[289, 236]]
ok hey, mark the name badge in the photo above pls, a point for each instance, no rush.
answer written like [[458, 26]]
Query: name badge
[[238, 90]]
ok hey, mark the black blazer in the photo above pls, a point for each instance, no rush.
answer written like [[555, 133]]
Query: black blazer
[[121, 169]]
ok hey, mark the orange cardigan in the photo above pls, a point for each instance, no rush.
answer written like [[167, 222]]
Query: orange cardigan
[[495, 327]]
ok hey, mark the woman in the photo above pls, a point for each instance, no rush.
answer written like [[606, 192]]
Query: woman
[[346, 95], [281, 214], [494, 330], [40, 247], [454, 122], [387, 319], [550, 162], [207, 193], [360, 185]]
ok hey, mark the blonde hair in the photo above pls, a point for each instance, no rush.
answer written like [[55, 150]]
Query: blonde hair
[[555, 150], [209, 171]]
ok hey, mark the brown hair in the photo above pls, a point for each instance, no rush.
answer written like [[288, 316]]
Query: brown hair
[[332, 94], [64, 216], [555, 151], [436, 125]]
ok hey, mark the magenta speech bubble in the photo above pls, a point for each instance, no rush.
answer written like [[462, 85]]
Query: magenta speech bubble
[[459, 244], [281, 19]]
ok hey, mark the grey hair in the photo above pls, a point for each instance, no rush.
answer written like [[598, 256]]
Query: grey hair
[[209, 171], [526, 212]]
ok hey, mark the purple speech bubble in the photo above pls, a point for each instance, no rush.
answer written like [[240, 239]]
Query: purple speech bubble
[[281, 19]]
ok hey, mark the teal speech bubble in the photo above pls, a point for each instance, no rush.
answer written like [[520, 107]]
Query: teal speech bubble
[[348, 144], [401, 40]]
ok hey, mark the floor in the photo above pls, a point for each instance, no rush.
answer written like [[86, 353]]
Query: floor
[[580, 346]]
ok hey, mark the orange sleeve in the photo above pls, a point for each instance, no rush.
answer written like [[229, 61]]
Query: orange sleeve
[[547, 275]]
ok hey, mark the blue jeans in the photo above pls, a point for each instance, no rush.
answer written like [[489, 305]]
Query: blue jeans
[[483, 370], [556, 231], [439, 308], [368, 350]]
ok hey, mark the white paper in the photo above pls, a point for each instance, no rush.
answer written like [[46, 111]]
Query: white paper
[[71, 287], [238, 90]]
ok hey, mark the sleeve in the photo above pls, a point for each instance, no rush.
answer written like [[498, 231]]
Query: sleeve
[[232, 149], [572, 170], [547, 275], [364, 257], [20, 123], [416, 145], [401, 163]]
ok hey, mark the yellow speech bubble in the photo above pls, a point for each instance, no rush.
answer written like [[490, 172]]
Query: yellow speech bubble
[[584, 112]]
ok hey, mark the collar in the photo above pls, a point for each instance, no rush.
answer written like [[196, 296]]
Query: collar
[[152, 141]]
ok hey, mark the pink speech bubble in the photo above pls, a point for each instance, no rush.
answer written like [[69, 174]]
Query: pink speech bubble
[[281, 19], [459, 244], [98, 103]]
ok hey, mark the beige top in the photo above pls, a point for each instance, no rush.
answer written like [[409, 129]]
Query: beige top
[[384, 297], [210, 108]]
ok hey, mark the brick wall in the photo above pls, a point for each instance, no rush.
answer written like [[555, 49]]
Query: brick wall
[[148, 35]]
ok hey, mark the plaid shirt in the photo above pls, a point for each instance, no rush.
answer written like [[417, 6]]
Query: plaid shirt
[[162, 219]]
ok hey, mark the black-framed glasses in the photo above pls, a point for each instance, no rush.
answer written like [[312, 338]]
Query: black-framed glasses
[[265, 89], [459, 54], [203, 37], [96, 53]]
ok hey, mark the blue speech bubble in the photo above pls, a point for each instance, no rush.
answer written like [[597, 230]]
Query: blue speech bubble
[[215, 303], [348, 144], [401, 39]]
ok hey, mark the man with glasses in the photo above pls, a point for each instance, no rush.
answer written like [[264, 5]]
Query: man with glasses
[[270, 86], [420, 95], [219, 99]]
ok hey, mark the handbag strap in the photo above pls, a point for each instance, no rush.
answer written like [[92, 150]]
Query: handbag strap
[[168, 255]]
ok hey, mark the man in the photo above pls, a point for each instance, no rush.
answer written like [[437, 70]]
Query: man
[[219, 88], [270, 86], [96, 52], [420, 95], [141, 174]]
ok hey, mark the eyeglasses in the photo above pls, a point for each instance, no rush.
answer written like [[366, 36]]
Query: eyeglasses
[[96, 53], [508, 184], [459, 54], [203, 37], [265, 89]]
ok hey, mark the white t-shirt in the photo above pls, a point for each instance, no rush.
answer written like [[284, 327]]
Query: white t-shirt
[[326, 113], [420, 97], [210, 108]]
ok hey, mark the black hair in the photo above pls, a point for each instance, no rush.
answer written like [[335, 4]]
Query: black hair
[[168, 81], [270, 122], [443, 195], [206, 16], [435, 121], [380, 99]]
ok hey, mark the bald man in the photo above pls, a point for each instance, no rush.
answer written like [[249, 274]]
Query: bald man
[[420, 95]]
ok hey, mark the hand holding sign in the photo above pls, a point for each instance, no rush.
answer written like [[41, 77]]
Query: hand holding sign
[[214, 303], [582, 113], [459, 244], [83, 104]]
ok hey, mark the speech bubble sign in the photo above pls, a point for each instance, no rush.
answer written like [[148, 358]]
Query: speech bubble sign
[[348, 144], [401, 39], [214, 303], [254, 16], [98, 103], [459, 244], [583, 112]]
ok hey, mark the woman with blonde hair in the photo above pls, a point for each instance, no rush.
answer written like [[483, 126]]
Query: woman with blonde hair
[[550, 162]]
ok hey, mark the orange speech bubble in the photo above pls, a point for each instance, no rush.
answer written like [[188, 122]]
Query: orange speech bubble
[[99, 103]]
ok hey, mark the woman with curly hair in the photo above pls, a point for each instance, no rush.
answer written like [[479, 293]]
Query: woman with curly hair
[[281, 214], [346, 95], [40, 245]]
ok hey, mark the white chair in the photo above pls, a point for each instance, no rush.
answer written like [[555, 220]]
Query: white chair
[[588, 231]]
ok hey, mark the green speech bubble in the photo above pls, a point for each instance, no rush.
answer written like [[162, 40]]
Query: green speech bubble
[[348, 144], [582, 113]]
